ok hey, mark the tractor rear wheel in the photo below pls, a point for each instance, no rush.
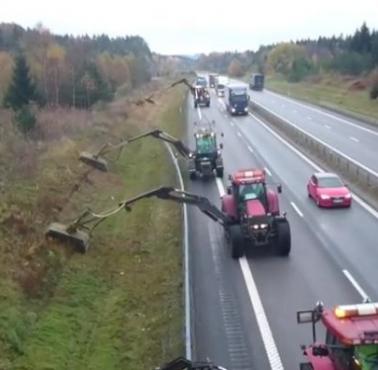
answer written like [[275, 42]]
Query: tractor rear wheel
[[283, 241], [237, 241], [219, 172]]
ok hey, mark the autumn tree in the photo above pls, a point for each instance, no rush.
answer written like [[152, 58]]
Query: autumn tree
[[6, 66], [235, 69]]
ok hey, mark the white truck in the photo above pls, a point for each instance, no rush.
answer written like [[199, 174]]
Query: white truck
[[222, 83]]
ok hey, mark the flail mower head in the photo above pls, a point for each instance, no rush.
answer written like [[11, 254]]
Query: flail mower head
[[94, 160], [78, 238]]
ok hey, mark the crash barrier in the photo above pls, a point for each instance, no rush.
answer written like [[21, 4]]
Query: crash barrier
[[350, 169]]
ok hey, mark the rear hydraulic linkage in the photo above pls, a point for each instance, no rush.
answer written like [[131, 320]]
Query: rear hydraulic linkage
[[78, 232], [99, 162], [184, 364]]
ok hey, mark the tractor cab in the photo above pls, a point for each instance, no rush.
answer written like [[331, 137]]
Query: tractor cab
[[206, 143], [351, 341], [249, 191]]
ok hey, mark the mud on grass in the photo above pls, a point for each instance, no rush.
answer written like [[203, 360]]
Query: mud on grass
[[120, 305]]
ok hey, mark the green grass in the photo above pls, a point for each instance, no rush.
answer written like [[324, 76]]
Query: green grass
[[120, 305], [330, 92]]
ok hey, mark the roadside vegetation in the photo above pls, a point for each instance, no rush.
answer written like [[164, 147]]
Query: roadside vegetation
[[120, 305]]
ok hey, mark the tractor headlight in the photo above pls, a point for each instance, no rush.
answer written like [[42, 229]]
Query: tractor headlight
[[233, 110], [256, 226], [263, 226], [246, 109]]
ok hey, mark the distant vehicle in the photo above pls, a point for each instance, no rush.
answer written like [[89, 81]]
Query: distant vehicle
[[256, 82], [221, 85], [201, 81], [201, 97], [237, 100], [327, 190], [351, 337], [213, 80]]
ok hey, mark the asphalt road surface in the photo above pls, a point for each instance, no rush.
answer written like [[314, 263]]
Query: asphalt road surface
[[244, 311], [351, 137]]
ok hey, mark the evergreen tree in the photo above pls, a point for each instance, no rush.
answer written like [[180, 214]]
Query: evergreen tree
[[21, 90]]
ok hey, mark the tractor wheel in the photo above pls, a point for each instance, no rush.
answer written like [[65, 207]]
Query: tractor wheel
[[219, 172], [283, 241], [193, 175], [237, 241], [305, 366]]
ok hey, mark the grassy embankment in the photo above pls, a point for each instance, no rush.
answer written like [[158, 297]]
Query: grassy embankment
[[120, 305], [345, 94]]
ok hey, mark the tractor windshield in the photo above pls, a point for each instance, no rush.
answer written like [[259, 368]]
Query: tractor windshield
[[206, 144], [251, 191], [367, 356]]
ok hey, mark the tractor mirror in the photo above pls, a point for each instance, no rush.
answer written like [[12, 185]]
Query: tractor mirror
[[304, 317], [279, 188], [221, 145], [320, 350], [229, 190]]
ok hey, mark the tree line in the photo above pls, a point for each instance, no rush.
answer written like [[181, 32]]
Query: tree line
[[355, 54], [68, 70]]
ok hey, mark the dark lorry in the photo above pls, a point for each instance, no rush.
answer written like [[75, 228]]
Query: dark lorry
[[256, 82], [237, 100]]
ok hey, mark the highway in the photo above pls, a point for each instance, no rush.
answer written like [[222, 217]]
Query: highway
[[244, 312], [352, 138]]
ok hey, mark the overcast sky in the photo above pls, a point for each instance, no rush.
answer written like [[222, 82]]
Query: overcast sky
[[194, 26]]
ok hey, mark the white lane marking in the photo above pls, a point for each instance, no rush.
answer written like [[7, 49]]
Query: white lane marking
[[267, 171], [339, 152], [327, 126], [250, 149], [326, 114], [220, 186], [356, 286], [199, 113], [188, 305], [354, 139], [232, 123], [262, 320], [238, 133], [258, 308], [362, 203], [296, 209]]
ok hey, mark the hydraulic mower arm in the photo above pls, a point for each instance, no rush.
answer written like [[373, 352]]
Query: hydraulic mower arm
[[181, 196], [184, 364], [162, 135], [98, 161]]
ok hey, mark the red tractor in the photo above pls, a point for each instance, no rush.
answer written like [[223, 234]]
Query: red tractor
[[351, 341], [254, 214]]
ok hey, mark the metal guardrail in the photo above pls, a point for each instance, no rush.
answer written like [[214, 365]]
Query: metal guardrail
[[347, 167]]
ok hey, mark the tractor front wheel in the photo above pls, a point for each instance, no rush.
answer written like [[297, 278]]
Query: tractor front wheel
[[283, 241], [236, 241]]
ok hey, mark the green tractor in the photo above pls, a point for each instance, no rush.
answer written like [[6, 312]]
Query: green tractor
[[207, 157]]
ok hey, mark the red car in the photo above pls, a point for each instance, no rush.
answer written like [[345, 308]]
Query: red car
[[327, 190]]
